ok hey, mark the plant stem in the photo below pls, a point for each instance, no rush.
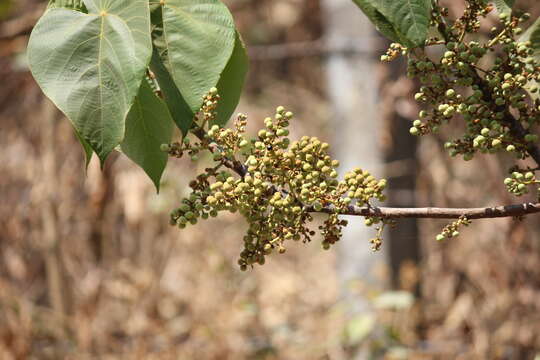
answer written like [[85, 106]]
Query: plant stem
[[516, 210]]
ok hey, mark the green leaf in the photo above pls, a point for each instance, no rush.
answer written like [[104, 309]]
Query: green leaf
[[91, 65], [180, 111], [231, 82], [504, 6], [148, 125], [199, 40], [88, 152], [409, 17], [370, 9]]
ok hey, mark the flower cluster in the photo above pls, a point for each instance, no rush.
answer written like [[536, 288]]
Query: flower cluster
[[452, 230], [275, 184]]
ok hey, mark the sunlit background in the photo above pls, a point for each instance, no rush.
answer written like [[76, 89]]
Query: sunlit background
[[90, 268]]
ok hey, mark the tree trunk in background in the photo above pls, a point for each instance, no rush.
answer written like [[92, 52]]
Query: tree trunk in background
[[398, 110], [352, 89]]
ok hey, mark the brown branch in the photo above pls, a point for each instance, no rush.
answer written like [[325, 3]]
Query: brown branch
[[440, 213]]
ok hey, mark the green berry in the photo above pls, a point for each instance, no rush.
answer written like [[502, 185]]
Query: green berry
[[243, 143], [165, 147]]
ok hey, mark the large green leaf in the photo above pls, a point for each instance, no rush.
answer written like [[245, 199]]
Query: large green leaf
[[370, 9], [148, 125], [91, 65], [504, 6], [199, 40], [231, 82], [409, 17], [180, 111]]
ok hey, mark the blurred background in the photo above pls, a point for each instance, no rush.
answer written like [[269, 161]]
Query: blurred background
[[90, 268]]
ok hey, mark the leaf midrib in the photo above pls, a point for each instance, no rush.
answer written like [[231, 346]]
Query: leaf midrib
[[415, 24]]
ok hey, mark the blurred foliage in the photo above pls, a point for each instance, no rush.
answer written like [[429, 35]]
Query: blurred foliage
[[5, 7]]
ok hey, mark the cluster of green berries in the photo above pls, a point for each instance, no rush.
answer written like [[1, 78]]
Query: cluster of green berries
[[498, 103], [518, 183], [452, 230], [275, 184]]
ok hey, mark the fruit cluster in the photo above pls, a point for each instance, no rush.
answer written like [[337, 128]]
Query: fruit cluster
[[518, 182], [490, 86], [276, 185]]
